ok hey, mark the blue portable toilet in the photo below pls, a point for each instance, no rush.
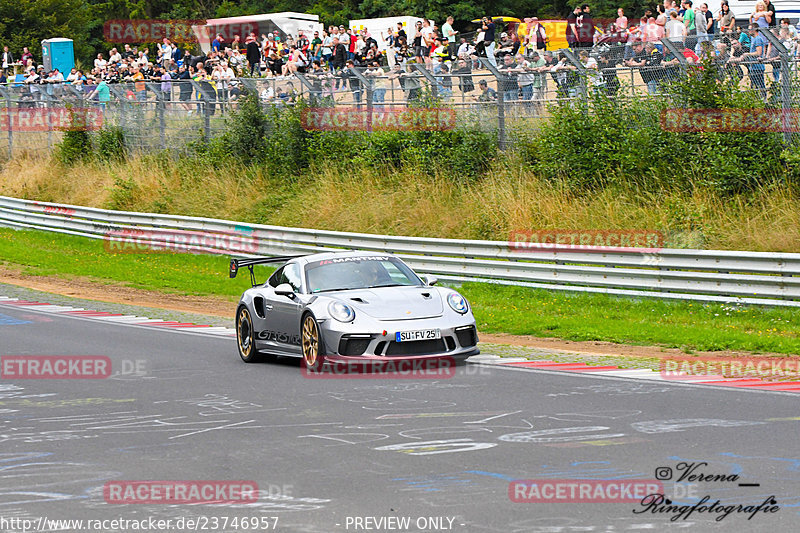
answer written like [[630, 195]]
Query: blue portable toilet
[[58, 53]]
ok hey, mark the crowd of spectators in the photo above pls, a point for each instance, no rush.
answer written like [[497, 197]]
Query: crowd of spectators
[[340, 58]]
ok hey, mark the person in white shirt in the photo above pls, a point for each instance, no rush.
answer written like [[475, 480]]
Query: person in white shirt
[[114, 56], [675, 29], [8, 59], [72, 76], [166, 52], [100, 63]]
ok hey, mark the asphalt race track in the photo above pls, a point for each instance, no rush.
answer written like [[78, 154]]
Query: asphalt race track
[[364, 452]]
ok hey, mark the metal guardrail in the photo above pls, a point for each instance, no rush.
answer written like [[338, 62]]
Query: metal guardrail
[[702, 275]]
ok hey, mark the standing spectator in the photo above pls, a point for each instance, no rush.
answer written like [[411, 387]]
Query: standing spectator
[[418, 52], [488, 38], [236, 43], [725, 18], [621, 24], [8, 58], [537, 65], [701, 25], [755, 58], [572, 27], [450, 34], [103, 94], [464, 73], [114, 57], [216, 44], [166, 84], [355, 84], [709, 20], [185, 87], [585, 28], [26, 56], [761, 17], [316, 46], [428, 40], [338, 59], [526, 78], [676, 30], [690, 23], [253, 54], [773, 13], [537, 35], [165, 52]]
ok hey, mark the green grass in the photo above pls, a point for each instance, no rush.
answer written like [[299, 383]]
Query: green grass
[[673, 324], [515, 310], [49, 254]]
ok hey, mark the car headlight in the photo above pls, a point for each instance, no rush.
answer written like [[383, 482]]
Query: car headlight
[[458, 303], [341, 311]]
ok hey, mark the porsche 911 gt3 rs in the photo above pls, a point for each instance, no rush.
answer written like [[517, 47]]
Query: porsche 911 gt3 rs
[[350, 306]]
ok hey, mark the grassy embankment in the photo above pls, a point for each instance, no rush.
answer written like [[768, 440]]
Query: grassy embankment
[[381, 200]]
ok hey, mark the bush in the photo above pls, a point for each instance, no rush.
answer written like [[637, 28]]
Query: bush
[[603, 140], [76, 144], [110, 144]]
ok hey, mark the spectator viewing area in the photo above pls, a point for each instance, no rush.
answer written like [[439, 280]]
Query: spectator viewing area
[[499, 71]]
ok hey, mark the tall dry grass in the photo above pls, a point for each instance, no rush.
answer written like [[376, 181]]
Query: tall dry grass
[[409, 202]]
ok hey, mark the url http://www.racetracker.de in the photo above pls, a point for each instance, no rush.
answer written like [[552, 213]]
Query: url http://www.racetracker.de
[[196, 523]]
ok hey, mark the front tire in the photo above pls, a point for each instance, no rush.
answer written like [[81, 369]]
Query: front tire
[[245, 337], [311, 343]]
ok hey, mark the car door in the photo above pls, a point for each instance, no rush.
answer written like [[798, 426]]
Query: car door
[[284, 317]]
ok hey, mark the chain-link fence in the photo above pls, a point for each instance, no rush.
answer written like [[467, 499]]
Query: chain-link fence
[[510, 95]]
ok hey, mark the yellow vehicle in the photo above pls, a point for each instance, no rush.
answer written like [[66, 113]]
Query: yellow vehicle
[[556, 32]]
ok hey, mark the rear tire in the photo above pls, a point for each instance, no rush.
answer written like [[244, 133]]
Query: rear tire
[[245, 337], [311, 343]]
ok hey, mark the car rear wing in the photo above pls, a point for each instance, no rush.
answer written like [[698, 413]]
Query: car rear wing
[[236, 264]]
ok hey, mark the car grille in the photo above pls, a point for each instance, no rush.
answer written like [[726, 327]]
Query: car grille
[[416, 347], [467, 336], [353, 346]]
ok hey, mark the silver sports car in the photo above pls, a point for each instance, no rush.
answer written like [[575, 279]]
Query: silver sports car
[[350, 306]]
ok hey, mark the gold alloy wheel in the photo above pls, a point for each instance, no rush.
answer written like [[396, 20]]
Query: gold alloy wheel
[[310, 341], [244, 333]]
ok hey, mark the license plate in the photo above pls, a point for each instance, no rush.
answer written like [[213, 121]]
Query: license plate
[[418, 335]]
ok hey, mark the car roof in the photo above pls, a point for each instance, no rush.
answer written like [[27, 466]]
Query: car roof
[[339, 255]]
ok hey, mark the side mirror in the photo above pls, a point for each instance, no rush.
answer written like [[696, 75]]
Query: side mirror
[[284, 289], [430, 280]]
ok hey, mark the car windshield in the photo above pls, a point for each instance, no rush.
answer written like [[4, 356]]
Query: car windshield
[[366, 272]]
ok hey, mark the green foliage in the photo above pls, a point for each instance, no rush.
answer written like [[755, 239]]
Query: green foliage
[[247, 130], [76, 144], [110, 144], [592, 144]]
